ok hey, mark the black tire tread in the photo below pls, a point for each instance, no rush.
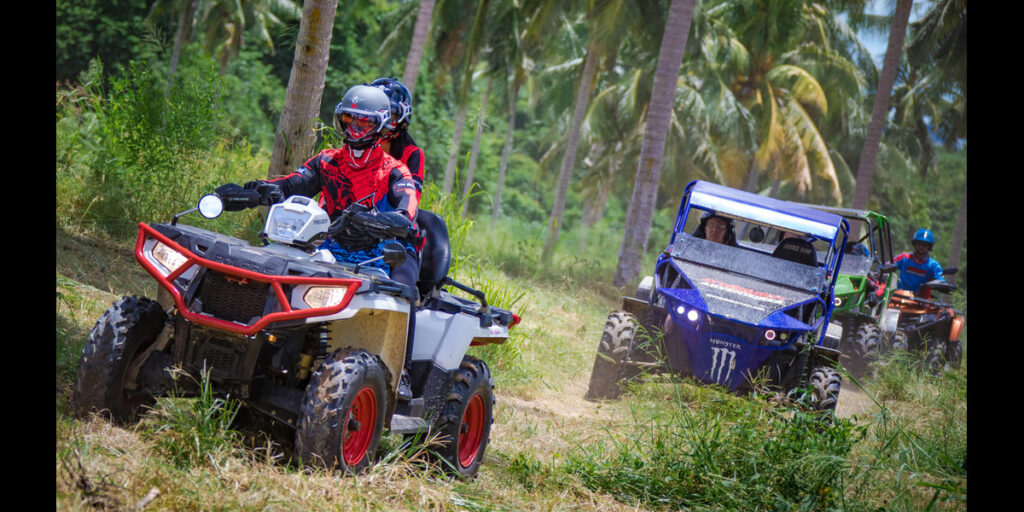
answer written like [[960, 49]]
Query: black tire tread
[[124, 328]]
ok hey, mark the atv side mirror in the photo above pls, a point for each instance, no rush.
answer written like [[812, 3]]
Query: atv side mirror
[[756, 235], [394, 254], [211, 206]]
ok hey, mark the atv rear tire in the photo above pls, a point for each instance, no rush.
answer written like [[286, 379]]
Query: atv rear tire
[[825, 386], [465, 421], [342, 414], [126, 329], [943, 355], [615, 342]]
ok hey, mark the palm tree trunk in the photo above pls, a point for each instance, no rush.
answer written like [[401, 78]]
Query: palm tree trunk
[[463, 93], [183, 32], [866, 168], [419, 41], [569, 158], [957, 240], [507, 150], [453, 152], [471, 170], [294, 138], [652, 151]]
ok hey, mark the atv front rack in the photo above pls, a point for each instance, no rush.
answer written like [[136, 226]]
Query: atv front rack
[[242, 276]]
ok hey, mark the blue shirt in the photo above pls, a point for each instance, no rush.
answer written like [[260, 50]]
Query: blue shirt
[[914, 273]]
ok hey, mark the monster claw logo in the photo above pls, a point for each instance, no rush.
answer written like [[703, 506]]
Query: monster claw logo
[[722, 360]]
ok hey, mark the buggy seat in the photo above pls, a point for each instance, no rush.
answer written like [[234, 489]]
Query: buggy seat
[[796, 250], [436, 256]]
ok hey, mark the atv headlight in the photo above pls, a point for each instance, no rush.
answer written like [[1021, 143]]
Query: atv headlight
[[324, 296], [298, 220], [286, 225], [168, 257]]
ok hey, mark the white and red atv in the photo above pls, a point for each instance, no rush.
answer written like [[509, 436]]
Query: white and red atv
[[297, 336]]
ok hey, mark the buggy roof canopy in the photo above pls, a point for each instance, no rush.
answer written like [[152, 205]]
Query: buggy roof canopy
[[762, 209], [845, 212]]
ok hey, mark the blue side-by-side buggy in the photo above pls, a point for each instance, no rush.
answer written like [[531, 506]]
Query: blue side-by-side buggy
[[750, 314]]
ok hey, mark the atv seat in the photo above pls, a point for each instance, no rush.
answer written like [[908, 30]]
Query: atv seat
[[796, 250], [436, 256]]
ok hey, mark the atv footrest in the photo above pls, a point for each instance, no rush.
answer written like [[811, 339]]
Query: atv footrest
[[407, 424]]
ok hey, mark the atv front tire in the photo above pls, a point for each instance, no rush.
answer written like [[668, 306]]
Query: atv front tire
[[615, 342], [464, 425], [342, 414], [126, 329], [825, 386], [865, 347]]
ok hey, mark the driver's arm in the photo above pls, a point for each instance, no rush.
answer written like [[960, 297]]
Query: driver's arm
[[304, 181], [403, 192]]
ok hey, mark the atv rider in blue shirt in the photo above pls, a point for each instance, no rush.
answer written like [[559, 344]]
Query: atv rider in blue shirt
[[918, 267]]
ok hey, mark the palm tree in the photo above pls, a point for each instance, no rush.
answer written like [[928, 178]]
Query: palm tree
[[227, 20], [481, 119], [294, 138], [866, 169], [462, 96], [419, 40], [642, 202], [185, 10], [606, 24]]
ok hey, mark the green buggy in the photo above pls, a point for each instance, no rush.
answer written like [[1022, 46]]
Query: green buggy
[[862, 292]]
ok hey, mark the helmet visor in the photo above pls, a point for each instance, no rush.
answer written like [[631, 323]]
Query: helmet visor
[[357, 126]]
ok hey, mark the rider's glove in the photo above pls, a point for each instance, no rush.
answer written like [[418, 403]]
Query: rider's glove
[[399, 224], [237, 198], [270, 193]]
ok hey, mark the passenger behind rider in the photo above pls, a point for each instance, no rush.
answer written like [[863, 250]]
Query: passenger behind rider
[[918, 267], [716, 228], [396, 140], [358, 170]]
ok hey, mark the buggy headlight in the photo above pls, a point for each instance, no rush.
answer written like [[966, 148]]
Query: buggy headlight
[[324, 296], [838, 301], [691, 315], [168, 257]]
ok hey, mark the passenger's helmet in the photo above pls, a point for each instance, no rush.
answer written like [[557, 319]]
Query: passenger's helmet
[[924, 235], [401, 102], [362, 115]]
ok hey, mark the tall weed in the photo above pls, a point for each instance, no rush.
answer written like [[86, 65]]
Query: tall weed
[[192, 432]]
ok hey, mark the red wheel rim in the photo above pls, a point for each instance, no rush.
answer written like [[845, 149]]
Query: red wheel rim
[[472, 432], [363, 410]]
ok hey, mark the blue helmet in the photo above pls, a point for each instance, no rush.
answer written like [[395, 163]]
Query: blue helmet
[[401, 101], [924, 235]]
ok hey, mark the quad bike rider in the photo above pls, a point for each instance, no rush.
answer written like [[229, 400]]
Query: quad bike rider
[[862, 291], [916, 322], [301, 337], [741, 315]]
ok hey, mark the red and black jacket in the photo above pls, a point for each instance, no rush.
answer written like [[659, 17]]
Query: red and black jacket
[[342, 179]]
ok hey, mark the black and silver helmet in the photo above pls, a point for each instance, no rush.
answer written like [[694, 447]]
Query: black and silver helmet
[[361, 115]]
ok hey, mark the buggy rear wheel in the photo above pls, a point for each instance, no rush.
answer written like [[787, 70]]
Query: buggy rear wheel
[[465, 422], [613, 349], [342, 414], [825, 386], [125, 330], [865, 347]]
